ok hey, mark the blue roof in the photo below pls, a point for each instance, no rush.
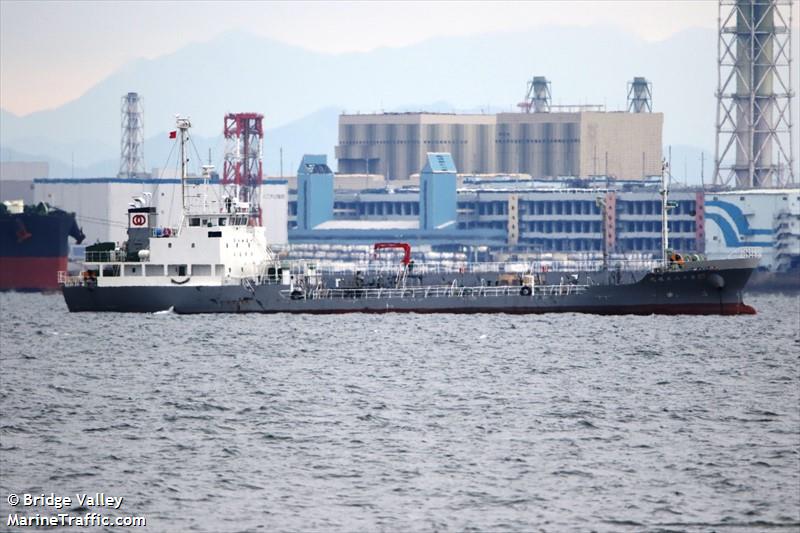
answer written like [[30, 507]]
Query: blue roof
[[310, 164], [414, 236], [143, 181], [136, 181]]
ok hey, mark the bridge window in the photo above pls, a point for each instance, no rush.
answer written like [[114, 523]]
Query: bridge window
[[201, 270], [176, 270], [153, 270], [112, 271]]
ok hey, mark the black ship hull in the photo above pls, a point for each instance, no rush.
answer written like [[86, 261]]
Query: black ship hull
[[700, 291]]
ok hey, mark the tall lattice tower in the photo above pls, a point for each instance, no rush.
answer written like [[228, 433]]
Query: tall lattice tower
[[131, 147], [754, 146], [242, 171], [640, 95], [537, 97]]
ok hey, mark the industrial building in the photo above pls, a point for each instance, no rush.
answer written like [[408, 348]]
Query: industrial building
[[501, 214], [16, 179], [511, 215], [764, 220], [544, 145], [543, 140]]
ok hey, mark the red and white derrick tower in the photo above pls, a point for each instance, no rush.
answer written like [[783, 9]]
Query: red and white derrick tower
[[242, 171]]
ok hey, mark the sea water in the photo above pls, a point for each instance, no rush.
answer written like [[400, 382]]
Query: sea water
[[404, 422]]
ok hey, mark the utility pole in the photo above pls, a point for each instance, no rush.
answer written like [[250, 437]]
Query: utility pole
[[703, 169], [600, 201]]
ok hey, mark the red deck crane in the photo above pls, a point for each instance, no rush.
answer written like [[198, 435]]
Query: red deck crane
[[396, 245]]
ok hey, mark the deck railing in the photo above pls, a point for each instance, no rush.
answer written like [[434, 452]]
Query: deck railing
[[489, 268], [437, 291], [110, 256]]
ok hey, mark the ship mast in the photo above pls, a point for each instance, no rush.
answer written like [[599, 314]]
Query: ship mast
[[183, 124], [664, 192]]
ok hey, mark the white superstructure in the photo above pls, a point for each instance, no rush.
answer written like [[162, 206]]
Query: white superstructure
[[211, 249], [98, 203], [214, 242]]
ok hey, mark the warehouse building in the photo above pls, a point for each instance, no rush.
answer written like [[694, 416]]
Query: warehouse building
[[580, 143], [16, 179], [763, 220], [502, 214]]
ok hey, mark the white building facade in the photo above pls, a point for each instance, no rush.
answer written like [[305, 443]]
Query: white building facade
[[766, 221]]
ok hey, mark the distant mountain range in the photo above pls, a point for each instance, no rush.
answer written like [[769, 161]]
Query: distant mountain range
[[301, 92], [315, 133]]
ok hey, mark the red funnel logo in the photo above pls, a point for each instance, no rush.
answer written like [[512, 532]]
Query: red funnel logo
[[138, 220]]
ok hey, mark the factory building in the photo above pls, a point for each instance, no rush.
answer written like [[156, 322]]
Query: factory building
[[508, 214], [583, 143], [763, 220], [426, 214], [548, 220], [16, 179]]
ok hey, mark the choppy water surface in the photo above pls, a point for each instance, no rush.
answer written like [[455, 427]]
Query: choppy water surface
[[406, 422]]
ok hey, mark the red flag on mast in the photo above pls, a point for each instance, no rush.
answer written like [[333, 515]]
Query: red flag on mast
[[173, 134]]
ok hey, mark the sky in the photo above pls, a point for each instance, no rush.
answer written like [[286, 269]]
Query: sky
[[51, 51]]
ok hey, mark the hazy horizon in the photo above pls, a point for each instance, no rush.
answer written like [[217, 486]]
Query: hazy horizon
[[64, 66], [78, 44]]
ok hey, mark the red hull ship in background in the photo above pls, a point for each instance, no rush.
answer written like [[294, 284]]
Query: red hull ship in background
[[34, 245]]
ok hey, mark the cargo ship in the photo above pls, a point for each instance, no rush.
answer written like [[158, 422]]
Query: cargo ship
[[218, 261], [34, 245]]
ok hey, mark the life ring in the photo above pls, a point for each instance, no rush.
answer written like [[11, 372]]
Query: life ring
[[167, 232], [525, 291]]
